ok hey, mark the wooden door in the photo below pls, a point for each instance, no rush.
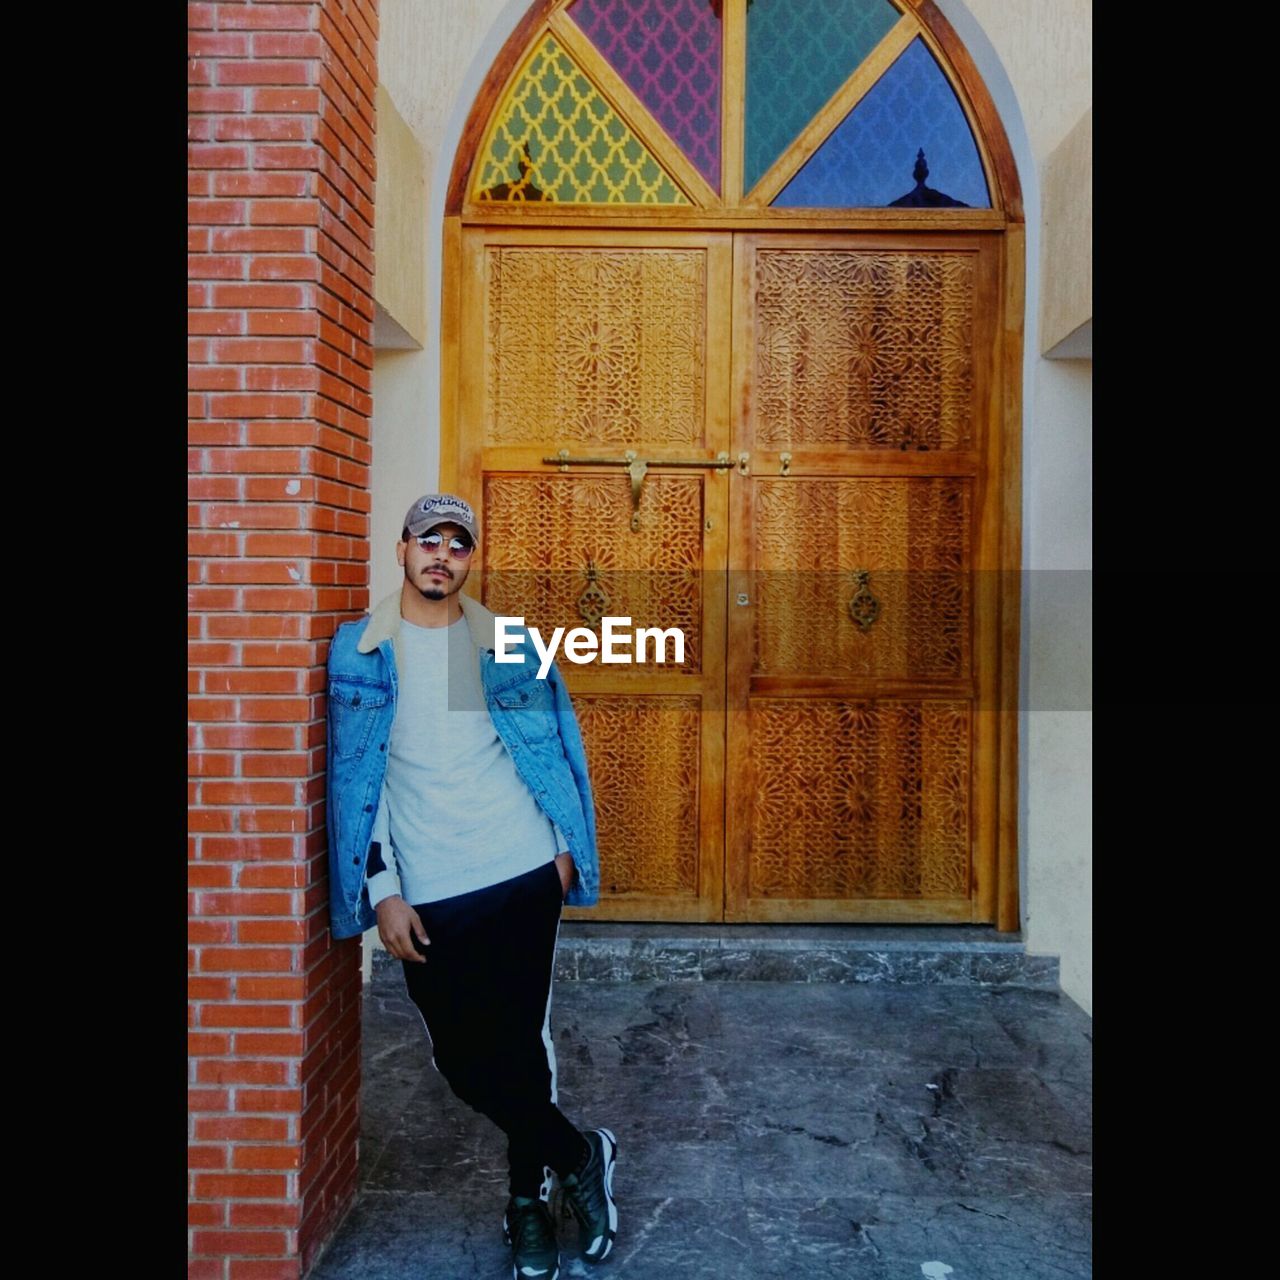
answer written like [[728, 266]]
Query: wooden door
[[597, 343], [830, 587], [862, 631]]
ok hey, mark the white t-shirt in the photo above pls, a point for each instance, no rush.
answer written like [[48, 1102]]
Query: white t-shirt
[[454, 810]]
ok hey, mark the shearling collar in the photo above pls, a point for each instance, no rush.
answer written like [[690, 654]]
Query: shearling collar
[[384, 622]]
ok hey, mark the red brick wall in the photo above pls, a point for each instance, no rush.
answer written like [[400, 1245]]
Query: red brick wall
[[280, 223]]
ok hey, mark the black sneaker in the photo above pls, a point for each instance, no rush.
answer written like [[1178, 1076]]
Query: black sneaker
[[588, 1195], [527, 1227]]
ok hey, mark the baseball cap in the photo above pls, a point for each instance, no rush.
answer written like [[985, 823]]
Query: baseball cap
[[441, 508]]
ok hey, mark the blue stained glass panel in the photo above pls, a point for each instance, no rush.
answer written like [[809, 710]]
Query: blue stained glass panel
[[868, 160], [799, 52]]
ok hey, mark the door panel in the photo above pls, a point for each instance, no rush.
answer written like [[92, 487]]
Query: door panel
[[857, 754], [598, 343]]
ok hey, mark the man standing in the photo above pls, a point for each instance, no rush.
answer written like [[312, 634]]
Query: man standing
[[460, 811]]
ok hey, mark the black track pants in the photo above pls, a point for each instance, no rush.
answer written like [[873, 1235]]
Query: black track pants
[[485, 996]]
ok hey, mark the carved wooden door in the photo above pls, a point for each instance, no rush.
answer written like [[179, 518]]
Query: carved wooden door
[[599, 343], [861, 633], [828, 587]]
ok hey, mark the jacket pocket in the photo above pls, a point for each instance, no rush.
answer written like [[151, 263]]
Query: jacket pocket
[[354, 709], [533, 709]]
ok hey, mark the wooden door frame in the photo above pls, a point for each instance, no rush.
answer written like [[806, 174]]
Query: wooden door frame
[[1006, 217]]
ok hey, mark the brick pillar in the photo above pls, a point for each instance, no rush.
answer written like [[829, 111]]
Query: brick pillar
[[280, 222]]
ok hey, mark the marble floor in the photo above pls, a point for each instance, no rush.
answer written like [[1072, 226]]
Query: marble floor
[[805, 1130]]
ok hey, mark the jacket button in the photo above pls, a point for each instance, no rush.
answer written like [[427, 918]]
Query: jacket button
[[355, 862], [524, 697], [382, 746], [355, 702], [368, 808]]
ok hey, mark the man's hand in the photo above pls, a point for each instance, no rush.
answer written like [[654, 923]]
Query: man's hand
[[398, 925], [564, 865]]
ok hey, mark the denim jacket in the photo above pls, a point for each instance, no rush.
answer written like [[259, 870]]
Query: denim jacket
[[534, 718]]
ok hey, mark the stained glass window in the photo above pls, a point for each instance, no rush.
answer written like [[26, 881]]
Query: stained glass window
[[799, 52], [668, 53], [907, 142], [555, 137]]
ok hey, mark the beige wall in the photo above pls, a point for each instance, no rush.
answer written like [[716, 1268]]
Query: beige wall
[[1035, 57], [1066, 309]]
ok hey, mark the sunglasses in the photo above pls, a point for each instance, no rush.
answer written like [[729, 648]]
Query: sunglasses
[[459, 548]]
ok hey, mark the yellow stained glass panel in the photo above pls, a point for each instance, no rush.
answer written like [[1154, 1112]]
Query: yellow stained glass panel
[[555, 137]]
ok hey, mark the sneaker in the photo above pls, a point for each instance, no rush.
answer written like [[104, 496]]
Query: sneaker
[[527, 1227], [588, 1195]]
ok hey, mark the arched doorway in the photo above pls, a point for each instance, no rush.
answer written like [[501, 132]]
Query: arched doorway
[[730, 338]]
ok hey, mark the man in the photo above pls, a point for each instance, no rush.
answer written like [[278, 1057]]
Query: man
[[471, 773]]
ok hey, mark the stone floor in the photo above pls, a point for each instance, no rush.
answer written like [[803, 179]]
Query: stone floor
[[806, 1130]]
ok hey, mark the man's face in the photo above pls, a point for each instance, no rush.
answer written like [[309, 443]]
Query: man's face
[[436, 573]]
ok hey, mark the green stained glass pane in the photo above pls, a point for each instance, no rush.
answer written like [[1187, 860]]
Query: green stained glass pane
[[799, 52]]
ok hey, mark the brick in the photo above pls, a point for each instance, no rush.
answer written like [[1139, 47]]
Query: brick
[[211, 709], [259, 405], [210, 212], [238, 1071], [252, 844], [239, 1243], [279, 212], [214, 433], [260, 626], [263, 461], [275, 764], [277, 599], [209, 820], [285, 157], [213, 378], [216, 101], [267, 876], [240, 1186], [287, 45], [257, 792], [217, 44], [261, 240], [246, 1015], [215, 266], [269, 17], [289, 932], [275, 295], [265, 350], [253, 1214], [281, 379], [264, 737], [213, 488], [215, 322], [208, 989], [280, 185], [261, 1269], [281, 322], [207, 1044], [205, 1213], [246, 960], [246, 516], [275, 72], [208, 1099], [296, 101], [256, 128], [208, 764], [210, 933], [258, 1156], [210, 1158], [240, 904], [283, 269], [202, 155], [253, 682], [263, 988]]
